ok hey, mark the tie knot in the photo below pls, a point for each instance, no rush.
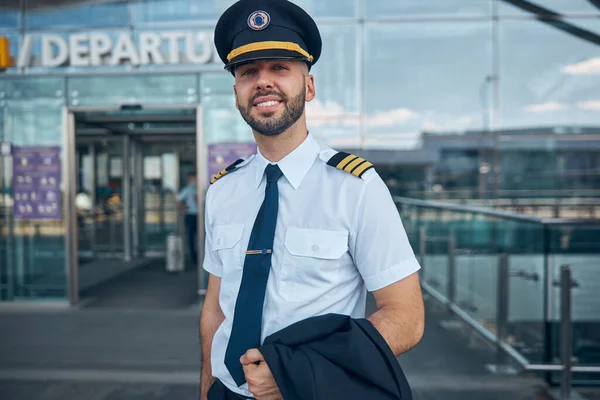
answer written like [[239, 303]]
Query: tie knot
[[273, 173]]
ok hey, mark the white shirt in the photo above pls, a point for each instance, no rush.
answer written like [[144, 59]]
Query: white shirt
[[188, 197], [337, 236]]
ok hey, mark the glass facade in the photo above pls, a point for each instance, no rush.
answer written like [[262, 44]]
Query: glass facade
[[455, 99]]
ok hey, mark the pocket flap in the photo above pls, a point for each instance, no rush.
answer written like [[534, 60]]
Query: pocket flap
[[316, 243], [226, 236]]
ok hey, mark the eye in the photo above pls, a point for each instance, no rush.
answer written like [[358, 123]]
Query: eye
[[279, 67], [248, 71]]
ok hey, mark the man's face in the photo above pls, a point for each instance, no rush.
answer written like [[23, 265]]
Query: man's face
[[271, 94]]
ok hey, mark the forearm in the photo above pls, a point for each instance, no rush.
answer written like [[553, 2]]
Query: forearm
[[209, 323], [401, 330]]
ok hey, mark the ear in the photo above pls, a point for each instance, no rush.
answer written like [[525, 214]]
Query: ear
[[237, 104], [310, 87]]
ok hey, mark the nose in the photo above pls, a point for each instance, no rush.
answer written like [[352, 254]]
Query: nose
[[264, 79]]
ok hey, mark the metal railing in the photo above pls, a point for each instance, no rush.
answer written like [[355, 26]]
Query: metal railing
[[434, 224]]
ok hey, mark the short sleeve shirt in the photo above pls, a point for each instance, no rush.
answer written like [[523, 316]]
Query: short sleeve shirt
[[337, 237], [188, 197]]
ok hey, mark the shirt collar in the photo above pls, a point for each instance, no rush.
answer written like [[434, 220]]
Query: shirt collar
[[295, 165]]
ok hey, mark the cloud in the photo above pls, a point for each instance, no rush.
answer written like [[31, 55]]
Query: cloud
[[546, 107], [592, 105], [317, 108], [323, 114], [460, 124], [588, 67], [390, 118]]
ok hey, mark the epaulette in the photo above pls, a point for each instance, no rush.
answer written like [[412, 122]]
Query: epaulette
[[227, 170], [355, 165]]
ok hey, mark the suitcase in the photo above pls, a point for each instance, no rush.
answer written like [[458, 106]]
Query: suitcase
[[175, 253]]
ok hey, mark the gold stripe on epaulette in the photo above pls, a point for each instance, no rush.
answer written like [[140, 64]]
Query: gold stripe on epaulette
[[342, 164], [218, 176], [354, 164], [358, 171], [351, 163]]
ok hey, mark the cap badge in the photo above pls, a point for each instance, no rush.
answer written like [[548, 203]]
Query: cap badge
[[259, 20]]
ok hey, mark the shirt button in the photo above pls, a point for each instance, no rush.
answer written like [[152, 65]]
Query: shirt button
[[218, 241], [315, 247], [247, 393]]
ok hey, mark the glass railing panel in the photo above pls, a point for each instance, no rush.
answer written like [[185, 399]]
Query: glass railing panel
[[523, 242], [577, 246]]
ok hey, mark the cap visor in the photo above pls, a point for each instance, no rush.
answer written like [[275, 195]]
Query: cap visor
[[265, 55]]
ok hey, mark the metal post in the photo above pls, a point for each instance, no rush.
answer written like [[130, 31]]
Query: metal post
[[93, 197], [3, 241], [127, 197], [451, 269], [422, 247], [161, 210], [138, 177], [112, 222], [140, 198], [33, 240], [502, 298], [70, 191], [548, 284], [566, 340], [202, 184], [10, 253]]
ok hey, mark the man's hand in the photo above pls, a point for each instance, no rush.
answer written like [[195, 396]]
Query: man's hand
[[259, 377]]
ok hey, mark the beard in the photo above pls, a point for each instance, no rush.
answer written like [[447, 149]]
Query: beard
[[269, 125]]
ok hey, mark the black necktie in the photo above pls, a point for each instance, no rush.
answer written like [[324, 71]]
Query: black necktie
[[247, 319]]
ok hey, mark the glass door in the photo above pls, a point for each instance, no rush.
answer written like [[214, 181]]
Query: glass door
[[99, 199]]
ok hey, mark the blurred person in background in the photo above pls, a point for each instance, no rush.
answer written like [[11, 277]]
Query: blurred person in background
[[188, 200]]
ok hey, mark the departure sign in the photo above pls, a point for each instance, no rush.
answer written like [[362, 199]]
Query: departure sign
[[95, 49]]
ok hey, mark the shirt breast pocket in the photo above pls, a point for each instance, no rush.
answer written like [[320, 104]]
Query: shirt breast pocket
[[226, 242], [311, 264]]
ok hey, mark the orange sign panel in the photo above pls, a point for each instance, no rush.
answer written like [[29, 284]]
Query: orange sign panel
[[5, 59]]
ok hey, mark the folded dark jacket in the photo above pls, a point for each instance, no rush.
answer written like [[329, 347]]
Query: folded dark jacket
[[334, 357]]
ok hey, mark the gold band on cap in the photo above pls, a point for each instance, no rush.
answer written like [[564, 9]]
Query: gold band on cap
[[270, 45]]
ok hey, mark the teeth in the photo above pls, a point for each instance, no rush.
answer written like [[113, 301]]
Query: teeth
[[267, 103]]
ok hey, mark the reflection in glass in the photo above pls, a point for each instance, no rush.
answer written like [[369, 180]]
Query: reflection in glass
[[222, 121], [548, 77], [563, 7], [412, 8], [418, 79], [37, 122], [32, 88], [10, 17], [160, 12], [168, 11], [336, 73], [32, 257], [141, 89], [81, 14], [337, 133]]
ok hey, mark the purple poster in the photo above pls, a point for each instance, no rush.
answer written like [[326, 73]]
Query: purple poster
[[224, 154], [36, 182]]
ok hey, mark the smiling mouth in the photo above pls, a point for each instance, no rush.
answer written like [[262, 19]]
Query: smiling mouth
[[268, 104]]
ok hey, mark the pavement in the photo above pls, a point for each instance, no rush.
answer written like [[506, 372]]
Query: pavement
[[125, 351]]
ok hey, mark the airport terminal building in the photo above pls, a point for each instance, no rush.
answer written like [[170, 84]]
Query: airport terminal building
[[105, 105]]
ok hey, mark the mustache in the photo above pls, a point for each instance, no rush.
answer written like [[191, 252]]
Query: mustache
[[269, 93]]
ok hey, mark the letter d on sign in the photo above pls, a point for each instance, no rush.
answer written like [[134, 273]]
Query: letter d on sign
[[49, 59]]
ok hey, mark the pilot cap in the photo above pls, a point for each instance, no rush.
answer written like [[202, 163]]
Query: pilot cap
[[266, 30]]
